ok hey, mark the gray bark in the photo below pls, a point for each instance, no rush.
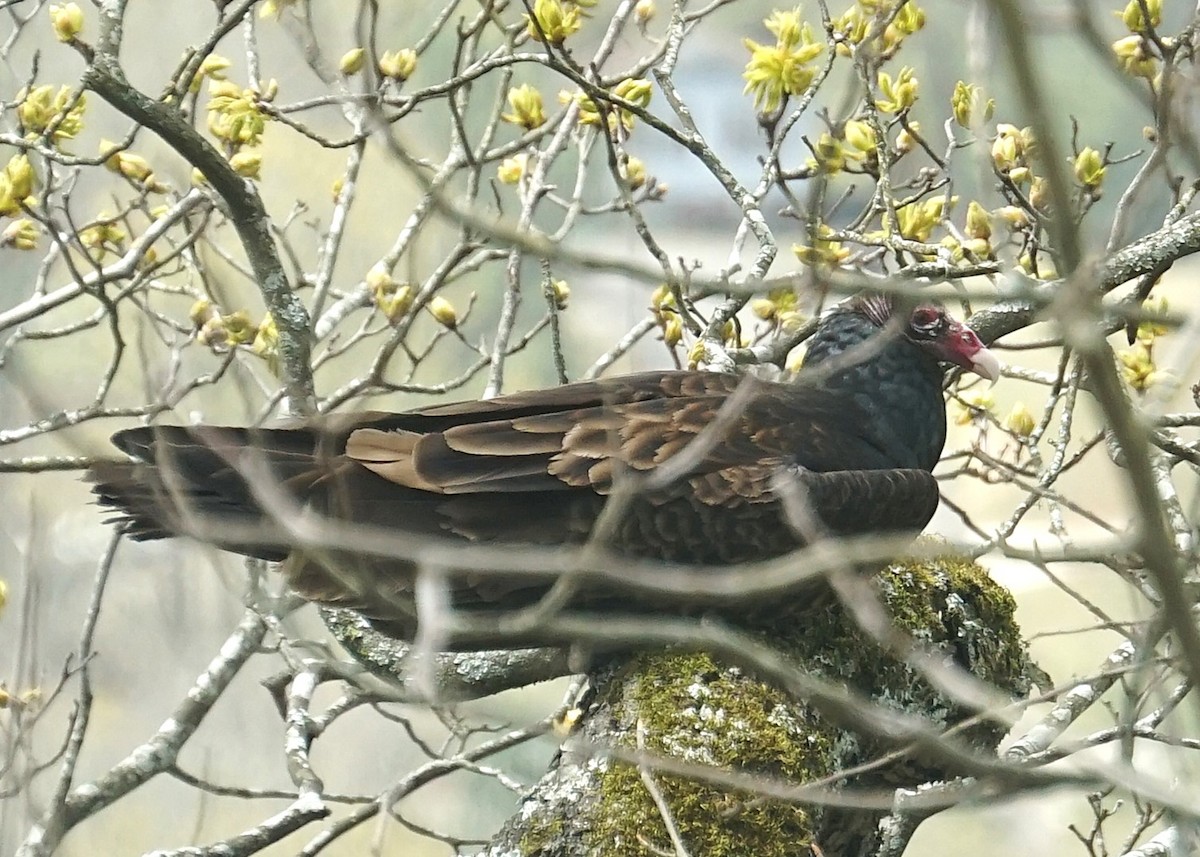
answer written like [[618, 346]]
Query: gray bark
[[625, 783]]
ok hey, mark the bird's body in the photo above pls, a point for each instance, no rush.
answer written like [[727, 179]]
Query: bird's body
[[537, 468]]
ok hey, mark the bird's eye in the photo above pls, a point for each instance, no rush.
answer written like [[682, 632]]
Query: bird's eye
[[925, 318]]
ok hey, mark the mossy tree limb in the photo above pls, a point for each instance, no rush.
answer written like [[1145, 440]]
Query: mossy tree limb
[[688, 706]]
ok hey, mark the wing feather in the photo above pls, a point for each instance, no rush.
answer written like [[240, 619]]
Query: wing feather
[[581, 435]]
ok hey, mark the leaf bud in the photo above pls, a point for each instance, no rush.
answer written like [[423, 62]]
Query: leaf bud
[[672, 326], [398, 65], [979, 222], [1089, 168], [527, 108], [1020, 420], [444, 312], [511, 170], [553, 21], [561, 293], [67, 21], [21, 234], [247, 164], [352, 61]]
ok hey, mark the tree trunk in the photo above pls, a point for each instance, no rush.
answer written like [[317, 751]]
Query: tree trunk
[[686, 707]]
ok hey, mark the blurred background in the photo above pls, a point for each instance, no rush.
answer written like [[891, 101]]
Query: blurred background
[[169, 605]]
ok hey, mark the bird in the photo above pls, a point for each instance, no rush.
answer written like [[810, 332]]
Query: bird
[[701, 460]]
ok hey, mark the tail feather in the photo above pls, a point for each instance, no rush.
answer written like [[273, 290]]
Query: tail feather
[[207, 482]]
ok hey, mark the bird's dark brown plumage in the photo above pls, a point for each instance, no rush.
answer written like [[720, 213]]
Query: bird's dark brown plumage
[[859, 441]]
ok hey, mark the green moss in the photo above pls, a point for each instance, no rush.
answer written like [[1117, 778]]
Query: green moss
[[541, 836], [694, 709]]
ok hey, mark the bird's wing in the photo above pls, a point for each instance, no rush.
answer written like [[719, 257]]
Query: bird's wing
[[731, 433]]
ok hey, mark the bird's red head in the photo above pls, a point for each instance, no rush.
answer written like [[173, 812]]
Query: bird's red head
[[949, 340]]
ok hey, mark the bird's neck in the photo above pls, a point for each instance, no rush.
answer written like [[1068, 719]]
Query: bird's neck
[[897, 386]]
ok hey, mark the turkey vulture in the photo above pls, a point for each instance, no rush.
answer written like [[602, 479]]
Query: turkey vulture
[[860, 430]]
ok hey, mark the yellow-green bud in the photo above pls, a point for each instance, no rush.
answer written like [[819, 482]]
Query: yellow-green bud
[[239, 329], [233, 329], [824, 253], [21, 234], [561, 293], [644, 12], [1089, 168], [527, 108], [553, 21], [764, 308], [512, 169], [444, 312], [1133, 18], [964, 101], [979, 222], [909, 19], [148, 260], [67, 21], [1020, 420], [19, 173], [394, 300], [133, 167], [1134, 57], [273, 8], [791, 320], [831, 158], [974, 405], [110, 151], [634, 89], [352, 61], [266, 339], [214, 66], [1137, 366], [247, 164], [672, 330], [221, 88], [40, 108], [917, 220], [398, 65], [860, 135], [1150, 329], [635, 172], [900, 93], [379, 277], [1039, 193], [201, 311], [9, 203], [1007, 148], [978, 247]]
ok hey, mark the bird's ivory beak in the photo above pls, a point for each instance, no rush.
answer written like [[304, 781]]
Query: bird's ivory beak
[[985, 364]]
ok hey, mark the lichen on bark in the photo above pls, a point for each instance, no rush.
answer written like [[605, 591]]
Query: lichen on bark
[[690, 707]]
